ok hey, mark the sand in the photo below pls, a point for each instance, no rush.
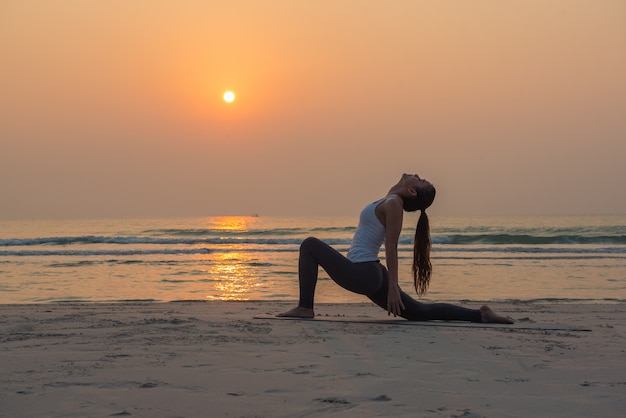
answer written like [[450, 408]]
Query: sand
[[197, 359]]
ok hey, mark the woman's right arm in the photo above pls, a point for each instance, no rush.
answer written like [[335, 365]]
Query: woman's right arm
[[392, 213]]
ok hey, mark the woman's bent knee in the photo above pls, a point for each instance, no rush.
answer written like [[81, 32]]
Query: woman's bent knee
[[308, 243]]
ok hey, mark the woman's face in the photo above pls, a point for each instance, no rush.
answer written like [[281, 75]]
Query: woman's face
[[413, 181]]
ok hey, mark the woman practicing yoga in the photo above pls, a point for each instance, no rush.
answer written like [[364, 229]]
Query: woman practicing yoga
[[361, 271]]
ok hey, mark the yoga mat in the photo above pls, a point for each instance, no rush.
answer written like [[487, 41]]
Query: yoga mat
[[404, 322]]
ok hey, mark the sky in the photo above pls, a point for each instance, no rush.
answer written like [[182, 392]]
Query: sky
[[115, 108]]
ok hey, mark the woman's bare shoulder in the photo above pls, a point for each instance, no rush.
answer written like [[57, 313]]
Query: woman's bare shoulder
[[390, 208], [392, 202]]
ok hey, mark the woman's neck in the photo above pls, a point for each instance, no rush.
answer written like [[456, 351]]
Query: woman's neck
[[398, 190]]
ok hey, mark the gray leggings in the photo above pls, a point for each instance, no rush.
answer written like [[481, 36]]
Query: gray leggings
[[369, 279]]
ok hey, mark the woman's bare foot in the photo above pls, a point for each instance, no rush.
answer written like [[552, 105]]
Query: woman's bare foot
[[487, 315], [298, 312]]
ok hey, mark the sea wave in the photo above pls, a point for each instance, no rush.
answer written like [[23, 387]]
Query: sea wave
[[508, 239], [618, 241], [439, 252], [90, 239]]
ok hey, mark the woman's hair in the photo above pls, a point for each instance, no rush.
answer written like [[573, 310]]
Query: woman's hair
[[422, 267]]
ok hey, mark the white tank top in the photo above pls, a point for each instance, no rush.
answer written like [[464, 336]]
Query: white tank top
[[369, 235]]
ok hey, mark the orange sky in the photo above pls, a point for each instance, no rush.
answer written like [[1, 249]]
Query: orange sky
[[115, 108]]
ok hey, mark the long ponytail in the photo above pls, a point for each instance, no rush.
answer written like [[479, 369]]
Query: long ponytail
[[422, 267]]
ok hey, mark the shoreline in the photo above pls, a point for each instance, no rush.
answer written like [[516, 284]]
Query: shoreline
[[546, 300], [165, 359]]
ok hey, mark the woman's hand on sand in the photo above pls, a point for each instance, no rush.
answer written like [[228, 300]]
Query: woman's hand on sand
[[394, 302]]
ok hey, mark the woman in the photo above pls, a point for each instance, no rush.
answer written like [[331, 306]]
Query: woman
[[361, 271]]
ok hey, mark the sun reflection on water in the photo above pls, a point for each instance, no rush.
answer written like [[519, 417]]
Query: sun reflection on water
[[231, 269], [232, 223]]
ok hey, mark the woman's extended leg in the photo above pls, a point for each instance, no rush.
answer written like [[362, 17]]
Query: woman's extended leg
[[362, 278], [417, 311]]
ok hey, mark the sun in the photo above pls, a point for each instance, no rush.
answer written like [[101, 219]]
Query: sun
[[229, 97]]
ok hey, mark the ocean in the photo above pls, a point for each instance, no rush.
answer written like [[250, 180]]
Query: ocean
[[578, 259]]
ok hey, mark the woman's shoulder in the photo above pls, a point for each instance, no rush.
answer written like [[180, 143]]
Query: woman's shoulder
[[392, 203], [393, 199]]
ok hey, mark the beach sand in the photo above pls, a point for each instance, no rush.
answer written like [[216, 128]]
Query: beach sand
[[213, 359]]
